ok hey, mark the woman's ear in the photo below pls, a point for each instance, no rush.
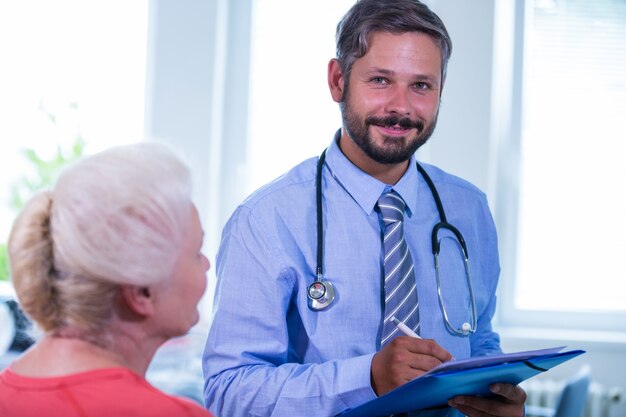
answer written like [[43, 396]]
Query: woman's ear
[[335, 80], [138, 300]]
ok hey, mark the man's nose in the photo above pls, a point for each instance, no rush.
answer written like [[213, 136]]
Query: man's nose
[[398, 101]]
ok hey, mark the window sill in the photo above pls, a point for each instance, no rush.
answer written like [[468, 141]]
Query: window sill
[[583, 339]]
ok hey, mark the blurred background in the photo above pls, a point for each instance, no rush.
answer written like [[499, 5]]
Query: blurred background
[[532, 113]]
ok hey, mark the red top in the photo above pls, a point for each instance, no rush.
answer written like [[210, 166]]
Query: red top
[[98, 393]]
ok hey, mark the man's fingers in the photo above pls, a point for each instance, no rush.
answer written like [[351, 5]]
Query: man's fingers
[[511, 392], [425, 347], [508, 401], [403, 359]]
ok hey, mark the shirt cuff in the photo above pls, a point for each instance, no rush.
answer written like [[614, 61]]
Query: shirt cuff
[[355, 382]]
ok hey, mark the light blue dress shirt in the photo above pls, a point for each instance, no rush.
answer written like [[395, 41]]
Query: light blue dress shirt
[[269, 354]]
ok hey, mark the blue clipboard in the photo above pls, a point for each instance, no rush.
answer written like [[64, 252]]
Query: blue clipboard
[[470, 377]]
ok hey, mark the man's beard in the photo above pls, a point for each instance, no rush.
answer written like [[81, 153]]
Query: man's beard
[[397, 148]]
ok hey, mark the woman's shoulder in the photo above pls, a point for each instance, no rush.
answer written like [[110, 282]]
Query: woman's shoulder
[[110, 391], [136, 392]]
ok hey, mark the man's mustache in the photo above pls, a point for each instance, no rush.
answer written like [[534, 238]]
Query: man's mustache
[[389, 121]]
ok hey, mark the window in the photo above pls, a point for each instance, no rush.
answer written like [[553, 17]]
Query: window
[[71, 71], [571, 223], [284, 131]]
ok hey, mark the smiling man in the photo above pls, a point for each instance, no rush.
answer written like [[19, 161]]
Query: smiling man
[[324, 272], [391, 107]]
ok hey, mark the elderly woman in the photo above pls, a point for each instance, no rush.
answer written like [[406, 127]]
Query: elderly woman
[[108, 264]]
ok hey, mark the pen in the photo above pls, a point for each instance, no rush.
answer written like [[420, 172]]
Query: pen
[[404, 328]]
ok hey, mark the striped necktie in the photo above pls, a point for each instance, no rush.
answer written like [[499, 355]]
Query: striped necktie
[[400, 293]]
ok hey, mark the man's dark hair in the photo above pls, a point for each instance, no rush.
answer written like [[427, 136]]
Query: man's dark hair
[[395, 16]]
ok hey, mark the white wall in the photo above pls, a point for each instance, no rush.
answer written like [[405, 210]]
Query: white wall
[[461, 143]]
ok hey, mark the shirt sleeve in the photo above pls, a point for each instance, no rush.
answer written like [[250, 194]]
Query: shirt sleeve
[[248, 363], [486, 341]]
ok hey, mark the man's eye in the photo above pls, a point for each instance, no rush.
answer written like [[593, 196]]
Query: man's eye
[[421, 86], [379, 80]]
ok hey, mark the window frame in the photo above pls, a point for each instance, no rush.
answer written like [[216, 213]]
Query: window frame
[[511, 23]]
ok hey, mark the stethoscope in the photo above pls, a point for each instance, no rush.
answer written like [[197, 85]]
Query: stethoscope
[[321, 293]]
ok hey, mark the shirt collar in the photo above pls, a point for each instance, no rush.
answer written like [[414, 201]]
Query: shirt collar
[[365, 189]]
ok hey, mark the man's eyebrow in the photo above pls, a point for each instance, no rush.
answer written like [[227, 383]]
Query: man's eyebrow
[[377, 70], [417, 77]]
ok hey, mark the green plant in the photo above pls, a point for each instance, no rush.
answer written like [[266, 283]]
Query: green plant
[[4, 262], [45, 172]]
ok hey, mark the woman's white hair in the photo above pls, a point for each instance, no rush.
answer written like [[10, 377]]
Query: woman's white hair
[[117, 217]]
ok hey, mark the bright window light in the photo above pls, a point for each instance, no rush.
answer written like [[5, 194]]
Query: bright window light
[[69, 68], [292, 115], [572, 224]]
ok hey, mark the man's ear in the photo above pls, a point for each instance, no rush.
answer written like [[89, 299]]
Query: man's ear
[[335, 80], [138, 300]]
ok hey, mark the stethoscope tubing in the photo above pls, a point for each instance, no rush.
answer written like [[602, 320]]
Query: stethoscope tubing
[[436, 246]]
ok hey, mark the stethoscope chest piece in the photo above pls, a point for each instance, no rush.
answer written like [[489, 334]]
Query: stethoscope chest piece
[[321, 294]]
